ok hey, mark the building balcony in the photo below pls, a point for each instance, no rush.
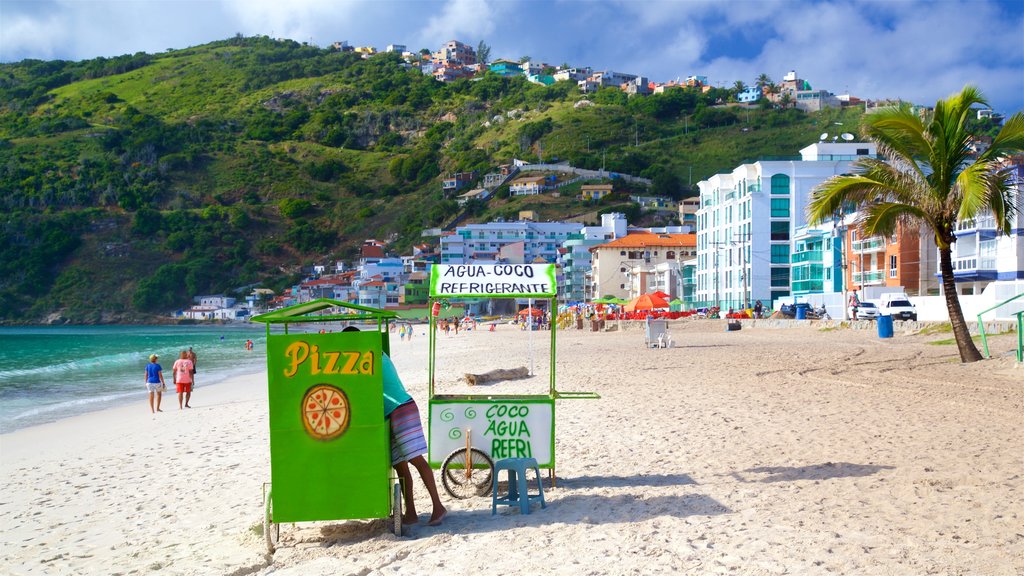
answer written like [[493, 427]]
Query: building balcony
[[808, 256], [873, 244], [971, 263], [869, 278], [806, 286], [968, 226]]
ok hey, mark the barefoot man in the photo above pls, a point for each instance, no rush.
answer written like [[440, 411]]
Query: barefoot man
[[183, 378]]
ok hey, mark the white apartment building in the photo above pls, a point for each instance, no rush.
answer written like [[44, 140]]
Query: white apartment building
[[746, 221], [981, 255], [517, 242]]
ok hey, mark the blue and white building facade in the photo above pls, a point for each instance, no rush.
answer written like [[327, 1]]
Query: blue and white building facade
[[747, 221], [981, 255], [515, 242], [574, 257]]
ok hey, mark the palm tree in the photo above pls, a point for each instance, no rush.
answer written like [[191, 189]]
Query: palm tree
[[927, 176], [763, 80]]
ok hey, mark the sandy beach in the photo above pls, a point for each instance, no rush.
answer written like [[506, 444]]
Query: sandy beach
[[769, 450]]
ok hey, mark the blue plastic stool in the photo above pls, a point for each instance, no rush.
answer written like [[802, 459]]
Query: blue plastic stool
[[517, 468]]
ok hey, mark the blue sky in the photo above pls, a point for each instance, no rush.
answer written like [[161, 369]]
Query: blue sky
[[913, 49]]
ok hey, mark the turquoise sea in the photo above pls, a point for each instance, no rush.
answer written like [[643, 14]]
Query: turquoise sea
[[48, 373]]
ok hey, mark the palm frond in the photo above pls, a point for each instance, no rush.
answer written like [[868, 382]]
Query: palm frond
[[974, 186], [882, 218], [1009, 140]]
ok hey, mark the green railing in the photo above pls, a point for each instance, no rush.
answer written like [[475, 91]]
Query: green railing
[[1020, 328]]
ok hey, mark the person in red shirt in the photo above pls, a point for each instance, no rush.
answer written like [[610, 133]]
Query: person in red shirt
[[182, 369]]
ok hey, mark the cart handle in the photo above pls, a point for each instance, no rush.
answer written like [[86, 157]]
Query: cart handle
[[576, 395]]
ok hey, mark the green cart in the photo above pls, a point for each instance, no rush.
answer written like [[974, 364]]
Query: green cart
[[330, 453], [469, 431]]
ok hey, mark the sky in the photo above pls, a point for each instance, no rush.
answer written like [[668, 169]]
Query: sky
[[917, 50]]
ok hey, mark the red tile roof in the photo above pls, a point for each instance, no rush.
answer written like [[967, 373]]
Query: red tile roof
[[646, 239]]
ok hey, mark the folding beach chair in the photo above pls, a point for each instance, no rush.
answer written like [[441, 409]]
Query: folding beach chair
[[656, 334]]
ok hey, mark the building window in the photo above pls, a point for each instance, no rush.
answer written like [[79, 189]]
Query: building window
[[780, 254], [780, 277], [780, 231], [670, 255], [780, 184], [780, 208], [892, 266]]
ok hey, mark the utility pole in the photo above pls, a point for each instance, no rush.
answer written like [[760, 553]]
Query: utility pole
[[716, 277]]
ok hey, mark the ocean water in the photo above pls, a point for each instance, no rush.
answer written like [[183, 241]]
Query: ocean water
[[49, 373]]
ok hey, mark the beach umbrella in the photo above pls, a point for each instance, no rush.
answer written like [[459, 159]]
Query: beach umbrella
[[675, 305], [646, 302], [606, 299], [662, 295], [531, 311]]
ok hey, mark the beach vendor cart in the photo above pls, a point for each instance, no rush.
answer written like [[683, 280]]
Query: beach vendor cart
[[330, 453], [469, 432]]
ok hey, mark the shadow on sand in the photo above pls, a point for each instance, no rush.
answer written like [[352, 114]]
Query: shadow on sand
[[825, 471], [564, 506]]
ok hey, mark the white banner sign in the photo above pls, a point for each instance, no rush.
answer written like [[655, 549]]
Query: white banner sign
[[493, 280]]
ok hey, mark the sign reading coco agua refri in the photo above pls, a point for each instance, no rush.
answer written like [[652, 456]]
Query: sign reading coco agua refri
[[503, 428]]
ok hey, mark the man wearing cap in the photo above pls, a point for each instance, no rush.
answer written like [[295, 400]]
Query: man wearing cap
[[155, 383]]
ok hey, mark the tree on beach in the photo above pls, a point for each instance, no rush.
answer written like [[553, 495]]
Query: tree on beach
[[926, 175]]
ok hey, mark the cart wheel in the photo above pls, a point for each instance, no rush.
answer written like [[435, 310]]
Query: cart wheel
[[271, 529], [465, 481], [396, 510]]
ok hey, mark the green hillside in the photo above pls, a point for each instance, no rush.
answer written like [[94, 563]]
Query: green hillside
[[130, 184]]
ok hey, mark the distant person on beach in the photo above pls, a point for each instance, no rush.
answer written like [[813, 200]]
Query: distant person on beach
[[408, 445], [758, 308], [155, 383], [183, 370], [192, 358]]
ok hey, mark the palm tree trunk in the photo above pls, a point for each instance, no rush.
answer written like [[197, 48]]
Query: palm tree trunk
[[968, 351]]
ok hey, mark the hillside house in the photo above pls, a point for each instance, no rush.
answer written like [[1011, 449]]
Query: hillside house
[[655, 203], [474, 194], [457, 181], [505, 68], [527, 186], [595, 191], [455, 53]]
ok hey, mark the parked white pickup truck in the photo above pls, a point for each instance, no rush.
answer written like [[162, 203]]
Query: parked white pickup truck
[[898, 306]]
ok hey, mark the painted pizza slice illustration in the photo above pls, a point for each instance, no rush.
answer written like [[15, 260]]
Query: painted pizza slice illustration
[[325, 412]]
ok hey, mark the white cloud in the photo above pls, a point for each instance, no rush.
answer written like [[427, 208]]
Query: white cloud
[[23, 35], [299, 20], [469, 21]]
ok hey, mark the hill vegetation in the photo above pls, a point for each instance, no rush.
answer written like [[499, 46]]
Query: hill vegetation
[[131, 184]]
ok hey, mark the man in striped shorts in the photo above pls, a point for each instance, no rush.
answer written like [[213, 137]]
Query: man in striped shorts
[[408, 445]]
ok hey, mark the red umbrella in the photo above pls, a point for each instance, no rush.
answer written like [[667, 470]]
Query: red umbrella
[[662, 295], [646, 302], [531, 311]]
